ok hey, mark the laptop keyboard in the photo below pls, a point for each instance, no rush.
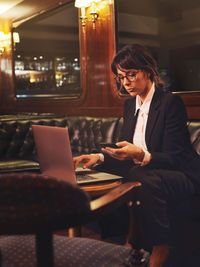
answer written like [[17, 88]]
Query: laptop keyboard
[[85, 178], [91, 176]]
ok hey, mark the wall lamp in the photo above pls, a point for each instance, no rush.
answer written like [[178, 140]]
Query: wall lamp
[[94, 14], [2, 42], [5, 40]]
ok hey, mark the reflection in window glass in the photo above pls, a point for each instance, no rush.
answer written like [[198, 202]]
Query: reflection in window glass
[[171, 30], [46, 59]]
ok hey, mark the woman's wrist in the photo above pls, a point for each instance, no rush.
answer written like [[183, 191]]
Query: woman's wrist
[[141, 155], [100, 157], [138, 156]]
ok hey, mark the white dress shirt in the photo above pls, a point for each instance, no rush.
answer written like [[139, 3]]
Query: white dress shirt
[[140, 128]]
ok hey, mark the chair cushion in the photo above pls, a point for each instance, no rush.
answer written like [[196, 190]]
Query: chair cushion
[[19, 251]]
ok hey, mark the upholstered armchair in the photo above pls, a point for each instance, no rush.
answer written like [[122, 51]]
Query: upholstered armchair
[[33, 206]]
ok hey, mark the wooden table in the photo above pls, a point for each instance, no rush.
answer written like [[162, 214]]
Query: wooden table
[[94, 190]]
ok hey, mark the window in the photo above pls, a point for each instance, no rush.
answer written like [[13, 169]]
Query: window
[[46, 60], [171, 30]]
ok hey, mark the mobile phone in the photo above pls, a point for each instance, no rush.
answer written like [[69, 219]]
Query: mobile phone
[[104, 145]]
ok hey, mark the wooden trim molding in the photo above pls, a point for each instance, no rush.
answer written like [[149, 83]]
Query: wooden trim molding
[[97, 48]]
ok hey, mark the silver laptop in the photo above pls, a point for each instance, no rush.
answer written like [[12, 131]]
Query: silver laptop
[[55, 157]]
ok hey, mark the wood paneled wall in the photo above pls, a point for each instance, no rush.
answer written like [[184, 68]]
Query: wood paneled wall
[[97, 48]]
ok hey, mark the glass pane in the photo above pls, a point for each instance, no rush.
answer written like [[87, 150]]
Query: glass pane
[[46, 56], [171, 30]]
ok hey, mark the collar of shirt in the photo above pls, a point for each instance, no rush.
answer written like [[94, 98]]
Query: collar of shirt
[[144, 107]]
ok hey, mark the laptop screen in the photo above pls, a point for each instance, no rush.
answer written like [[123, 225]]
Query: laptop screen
[[55, 157], [54, 152]]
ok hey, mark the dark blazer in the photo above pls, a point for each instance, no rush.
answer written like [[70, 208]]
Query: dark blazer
[[167, 136]]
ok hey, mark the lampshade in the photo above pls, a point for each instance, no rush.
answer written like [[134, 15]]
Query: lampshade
[[2, 36], [16, 37], [82, 3], [85, 3]]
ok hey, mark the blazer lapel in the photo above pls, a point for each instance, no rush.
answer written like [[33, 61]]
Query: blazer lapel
[[130, 123], [153, 115], [133, 124]]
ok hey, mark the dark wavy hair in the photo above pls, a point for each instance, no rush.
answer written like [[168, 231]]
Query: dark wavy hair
[[137, 57]]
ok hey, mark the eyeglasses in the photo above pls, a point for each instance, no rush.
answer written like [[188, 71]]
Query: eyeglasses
[[131, 77]]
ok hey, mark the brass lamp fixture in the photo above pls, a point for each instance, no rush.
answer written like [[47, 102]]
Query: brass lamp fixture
[[5, 40], [83, 4], [2, 40]]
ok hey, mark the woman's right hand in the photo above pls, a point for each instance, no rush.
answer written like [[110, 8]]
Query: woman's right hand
[[88, 160]]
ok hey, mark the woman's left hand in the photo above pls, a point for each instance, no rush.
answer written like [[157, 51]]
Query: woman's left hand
[[126, 151]]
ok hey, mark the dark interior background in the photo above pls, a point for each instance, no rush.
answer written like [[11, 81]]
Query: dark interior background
[[61, 67]]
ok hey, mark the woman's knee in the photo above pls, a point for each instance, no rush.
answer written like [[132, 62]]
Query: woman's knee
[[150, 182], [143, 175], [136, 173]]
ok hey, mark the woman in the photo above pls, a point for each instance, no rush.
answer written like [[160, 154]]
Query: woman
[[154, 148]]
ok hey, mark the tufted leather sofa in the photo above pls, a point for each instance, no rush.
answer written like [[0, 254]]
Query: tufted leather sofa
[[17, 149]]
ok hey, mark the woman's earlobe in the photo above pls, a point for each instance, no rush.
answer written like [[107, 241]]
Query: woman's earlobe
[[149, 75]]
